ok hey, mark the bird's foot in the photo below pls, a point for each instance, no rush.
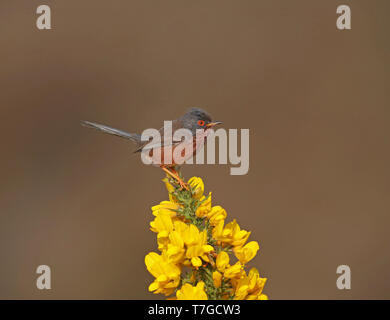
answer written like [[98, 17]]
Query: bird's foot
[[183, 185]]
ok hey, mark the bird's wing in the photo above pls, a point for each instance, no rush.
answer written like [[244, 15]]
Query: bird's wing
[[176, 124]]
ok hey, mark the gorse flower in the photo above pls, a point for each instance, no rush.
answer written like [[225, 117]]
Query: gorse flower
[[246, 253], [189, 292], [197, 187], [222, 261], [167, 274], [196, 248], [250, 287]]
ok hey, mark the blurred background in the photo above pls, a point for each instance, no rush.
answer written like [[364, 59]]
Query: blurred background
[[316, 101]]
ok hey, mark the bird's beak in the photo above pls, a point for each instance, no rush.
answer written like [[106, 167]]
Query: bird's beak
[[213, 124]]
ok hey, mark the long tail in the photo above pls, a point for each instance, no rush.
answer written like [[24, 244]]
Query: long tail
[[119, 133]]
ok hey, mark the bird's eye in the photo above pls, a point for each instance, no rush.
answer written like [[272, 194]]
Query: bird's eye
[[201, 123]]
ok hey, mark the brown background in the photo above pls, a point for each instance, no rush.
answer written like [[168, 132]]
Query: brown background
[[316, 101]]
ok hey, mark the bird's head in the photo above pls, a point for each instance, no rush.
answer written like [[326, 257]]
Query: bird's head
[[196, 119]]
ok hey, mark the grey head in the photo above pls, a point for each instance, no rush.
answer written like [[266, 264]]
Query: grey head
[[197, 118]]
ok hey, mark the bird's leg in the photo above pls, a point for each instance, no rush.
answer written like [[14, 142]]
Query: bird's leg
[[176, 177], [176, 172]]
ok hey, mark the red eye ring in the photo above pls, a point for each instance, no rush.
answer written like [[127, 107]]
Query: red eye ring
[[201, 123]]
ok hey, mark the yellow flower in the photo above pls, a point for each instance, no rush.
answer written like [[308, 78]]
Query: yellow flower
[[217, 278], [162, 225], [183, 239], [239, 236], [174, 245], [216, 215], [234, 271], [191, 236], [197, 246], [205, 207], [166, 273], [197, 187], [175, 248], [222, 261], [230, 234], [189, 292], [170, 189], [250, 287], [246, 253], [165, 207], [180, 226]]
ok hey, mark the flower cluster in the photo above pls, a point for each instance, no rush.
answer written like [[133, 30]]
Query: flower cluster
[[196, 245]]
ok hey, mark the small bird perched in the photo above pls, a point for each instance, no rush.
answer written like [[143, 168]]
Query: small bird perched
[[195, 120]]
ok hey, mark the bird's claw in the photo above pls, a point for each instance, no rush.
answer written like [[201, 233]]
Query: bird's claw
[[183, 185]]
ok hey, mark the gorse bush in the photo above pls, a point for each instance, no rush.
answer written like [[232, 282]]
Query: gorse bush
[[197, 247]]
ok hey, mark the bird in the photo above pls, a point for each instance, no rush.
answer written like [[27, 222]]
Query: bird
[[196, 120]]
